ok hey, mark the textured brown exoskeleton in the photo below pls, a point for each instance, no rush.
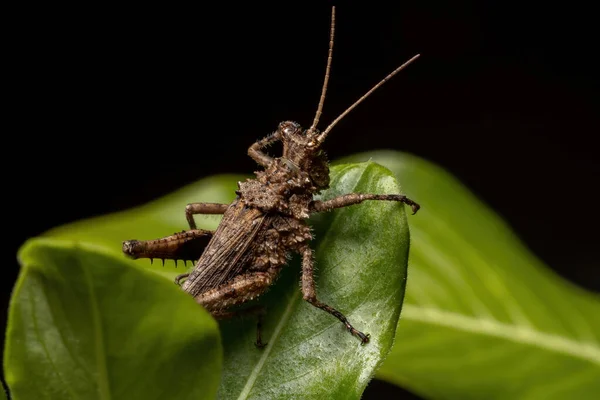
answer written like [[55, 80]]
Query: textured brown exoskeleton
[[265, 223]]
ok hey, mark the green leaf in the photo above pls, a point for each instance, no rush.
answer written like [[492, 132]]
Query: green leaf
[[361, 257], [84, 324], [3, 395], [483, 317]]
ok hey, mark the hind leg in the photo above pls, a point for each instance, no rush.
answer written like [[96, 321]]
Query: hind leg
[[238, 291], [258, 311]]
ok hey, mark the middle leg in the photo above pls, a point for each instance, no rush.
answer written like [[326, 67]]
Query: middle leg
[[203, 208]]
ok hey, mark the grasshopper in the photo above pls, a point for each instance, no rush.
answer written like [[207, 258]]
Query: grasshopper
[[266, 222]]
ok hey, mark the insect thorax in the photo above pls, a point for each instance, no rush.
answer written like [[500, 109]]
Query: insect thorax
[[283, 187]]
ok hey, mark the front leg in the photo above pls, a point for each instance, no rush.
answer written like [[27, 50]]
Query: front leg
[[356, 198], [309, 294], [255, 150]]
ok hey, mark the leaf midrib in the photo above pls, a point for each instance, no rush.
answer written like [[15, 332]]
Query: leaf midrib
[[267, 351], [493, 328]]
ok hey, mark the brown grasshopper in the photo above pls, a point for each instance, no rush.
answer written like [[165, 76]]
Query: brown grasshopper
[[265, 223]]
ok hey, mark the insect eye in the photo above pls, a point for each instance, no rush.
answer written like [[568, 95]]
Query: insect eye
[[289, 128]]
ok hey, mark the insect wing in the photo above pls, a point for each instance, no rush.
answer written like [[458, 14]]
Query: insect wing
[[227, 254]]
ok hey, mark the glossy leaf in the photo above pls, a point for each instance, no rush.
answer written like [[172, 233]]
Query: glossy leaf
[[483, 317], [361, 256], [84, 324]]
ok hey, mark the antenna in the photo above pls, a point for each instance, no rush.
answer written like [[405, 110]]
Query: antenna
[[327, 70], [322, 136]]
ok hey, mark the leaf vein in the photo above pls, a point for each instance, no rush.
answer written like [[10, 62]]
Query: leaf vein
[[520, 334], [43, 343], [267, 350]]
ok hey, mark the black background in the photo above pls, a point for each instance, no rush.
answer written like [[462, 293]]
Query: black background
[[114, 107]]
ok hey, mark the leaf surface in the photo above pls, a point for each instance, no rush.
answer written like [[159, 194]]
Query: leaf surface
[[84, 324], [483, 317], [361, 255]]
